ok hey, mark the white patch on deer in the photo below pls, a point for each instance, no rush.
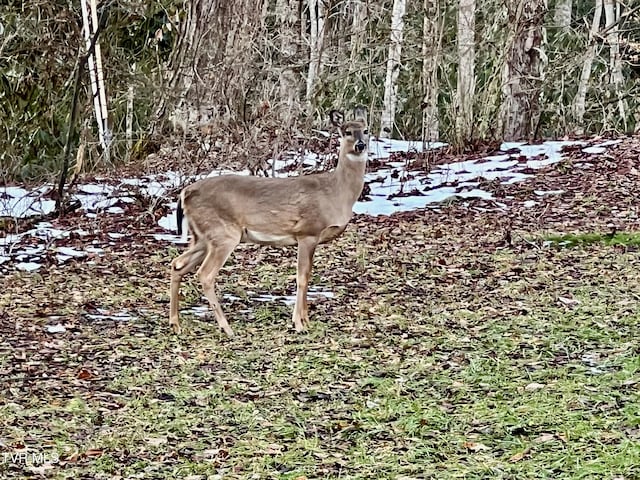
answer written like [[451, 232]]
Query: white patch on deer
[[357, 157], [270, 239]]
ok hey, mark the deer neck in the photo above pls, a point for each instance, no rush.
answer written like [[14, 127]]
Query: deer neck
[[350, 177]]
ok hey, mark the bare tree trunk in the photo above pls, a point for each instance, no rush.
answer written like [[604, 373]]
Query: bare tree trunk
[[523, 69], [393, 69], [431, 51], [287, 15], [581, 95], [317, 16], [562, 14], [612, 14], [358, 28], [466, 70]]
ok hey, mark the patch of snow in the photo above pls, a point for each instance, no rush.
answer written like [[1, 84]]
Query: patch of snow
[[71, 252], [594, 150], [104, 314], [58, 328], [156, 189], [95, 188], [31, 251], [291, 299], [167, 237], [381, 148], [23, 206], [449, 180], [168, 222], [11, 239], [199, 310], [542, 193], [28, 266]]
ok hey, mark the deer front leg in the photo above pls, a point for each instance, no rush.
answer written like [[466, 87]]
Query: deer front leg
[[306, 249], [215, 259], [181, 265]]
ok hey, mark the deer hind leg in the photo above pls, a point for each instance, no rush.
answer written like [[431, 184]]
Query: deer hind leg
[[217, 255], [185, 263], [306, 250]]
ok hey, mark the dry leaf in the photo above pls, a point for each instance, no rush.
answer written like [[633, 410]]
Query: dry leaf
[[532, 387], [569, 302], [156, 441], [519, 456], [475, 447], [545, 437], [94, 452]]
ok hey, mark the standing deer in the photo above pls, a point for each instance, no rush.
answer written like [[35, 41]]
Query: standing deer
[[307, 210]]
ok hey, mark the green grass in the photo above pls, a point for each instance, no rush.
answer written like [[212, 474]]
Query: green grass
[[581, 239], [436, 359]]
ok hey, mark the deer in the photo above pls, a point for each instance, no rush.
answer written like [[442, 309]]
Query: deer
[[306, 210]]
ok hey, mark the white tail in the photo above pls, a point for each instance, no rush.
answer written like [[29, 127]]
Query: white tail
[[308, 210]]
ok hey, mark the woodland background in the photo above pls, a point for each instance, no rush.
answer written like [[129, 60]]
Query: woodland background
[[246, 72]]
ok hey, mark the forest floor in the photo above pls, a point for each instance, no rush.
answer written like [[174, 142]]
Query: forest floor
[[466, 342]]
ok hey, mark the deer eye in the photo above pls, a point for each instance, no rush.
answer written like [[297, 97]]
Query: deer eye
[[366, 132], [347, 133]]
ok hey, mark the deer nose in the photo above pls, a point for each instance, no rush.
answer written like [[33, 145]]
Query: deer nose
[[360, 146]]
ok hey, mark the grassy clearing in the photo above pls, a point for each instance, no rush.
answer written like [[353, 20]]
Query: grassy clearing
[[441, 356]]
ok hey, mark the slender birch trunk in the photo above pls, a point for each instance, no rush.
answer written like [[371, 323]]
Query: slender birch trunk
[[317, 16], [431, 51], [96, 74], [581, 95], [466, 70], [393, 69], [612, 14], [129, 117], [562, 14], [523, 69]]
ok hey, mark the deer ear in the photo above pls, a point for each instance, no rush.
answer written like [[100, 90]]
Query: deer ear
[[336, 117], [360, 114]]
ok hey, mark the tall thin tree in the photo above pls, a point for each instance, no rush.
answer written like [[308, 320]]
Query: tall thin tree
[[393, 69], [579, 102], [317, 20], [431, 54], [466, 70], [523, 70], [562, 14], [612, 15]]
